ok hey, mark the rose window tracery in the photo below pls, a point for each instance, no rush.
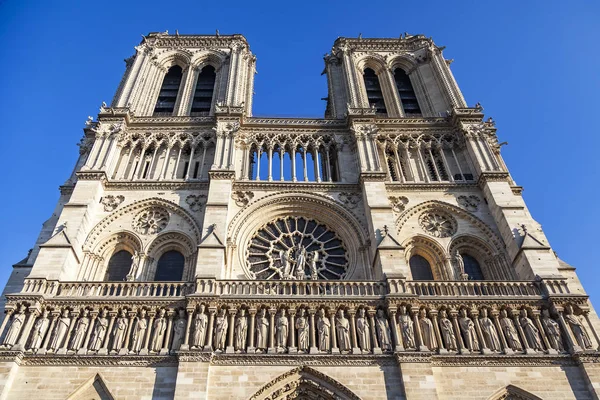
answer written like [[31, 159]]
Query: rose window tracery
[[151, 220], [296, 248], [438, 224]]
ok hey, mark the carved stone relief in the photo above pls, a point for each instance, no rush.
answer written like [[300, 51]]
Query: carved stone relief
[[438, 223], [242, 198], [349, 199], [151, 220], [470, 203], [398, 203], [195, 201], [111, 202]]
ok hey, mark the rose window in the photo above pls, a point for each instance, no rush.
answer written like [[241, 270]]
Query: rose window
[[438, 224], [151, 220], [296, 248]]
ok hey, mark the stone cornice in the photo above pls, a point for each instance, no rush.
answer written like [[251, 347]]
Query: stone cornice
[[408, 43], [303, 359], [225, 175], [430, 187], [105, 361], [295, 186], [497, 176], [190, 41], [91, 176], [155, 185], [478, 360], [372, 177]]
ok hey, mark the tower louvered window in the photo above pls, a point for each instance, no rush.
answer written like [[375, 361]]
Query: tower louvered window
[[406, 93], [168, 91], [374, 93], [204, 91]]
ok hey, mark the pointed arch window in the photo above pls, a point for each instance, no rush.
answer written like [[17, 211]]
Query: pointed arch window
[[168, 91], [203, 94], [407, 95], [118, 266], [420, 268], [374, 93], [170, 266], [472, 268]]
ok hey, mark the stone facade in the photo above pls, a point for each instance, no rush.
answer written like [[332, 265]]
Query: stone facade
[[384, 251]]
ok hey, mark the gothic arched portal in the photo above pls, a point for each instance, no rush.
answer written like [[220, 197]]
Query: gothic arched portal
[[304, 383]]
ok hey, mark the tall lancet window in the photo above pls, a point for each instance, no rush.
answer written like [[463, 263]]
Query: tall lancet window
[[204, 91], [118, 266], [374, 93], [168, 91], [406, 93]]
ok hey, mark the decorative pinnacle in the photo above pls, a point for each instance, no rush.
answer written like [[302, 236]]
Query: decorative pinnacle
[[385, 229]]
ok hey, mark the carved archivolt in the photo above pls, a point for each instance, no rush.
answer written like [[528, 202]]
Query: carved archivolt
[[432, 252], [512, 392], [304, 382], [309, 205]]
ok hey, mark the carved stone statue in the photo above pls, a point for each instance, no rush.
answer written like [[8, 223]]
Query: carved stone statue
[[488, 330], [80, 330], [300, 274], [179, 327], [200, 326], [285, 264], [15, 328], [139, 332], [324, 329], [300, 257], [135, 259], [553, 331], [303, 331], [460, 266], [342, 328], [510, 332], [363, 331], [314, 259], [159, 327], [407, 329], [99, 331], [467, 328], [262, 331], [241, 331], [383, 331], [577, 328], [282, 329], [447, 332], [427, 330], [119, 331], [532, 334], [221, 326], [39, 331], [61, 329]]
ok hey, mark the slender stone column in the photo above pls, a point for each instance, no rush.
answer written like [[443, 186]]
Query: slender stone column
[[167, 342], [376, 348], [232, 312], [187, 173], [125, 349], [252, 314], [272, 348], [313, 333], [355, 348], [586, 316], [84, 347], [281, 154], [293, 154], [270, 178], [186, 340], [419, 337], [304, 163], [211, 320], [436, 328], [394, 327], [151, 315], [334, 347], [104, 349], [258, 154], [292, 332]]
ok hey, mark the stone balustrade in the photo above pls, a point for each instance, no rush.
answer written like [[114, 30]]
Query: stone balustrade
[[297, 317]]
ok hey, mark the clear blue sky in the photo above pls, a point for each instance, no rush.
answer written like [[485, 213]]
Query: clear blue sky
[[533, 65]]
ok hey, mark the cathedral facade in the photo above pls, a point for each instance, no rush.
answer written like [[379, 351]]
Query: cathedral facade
[[381, 252]]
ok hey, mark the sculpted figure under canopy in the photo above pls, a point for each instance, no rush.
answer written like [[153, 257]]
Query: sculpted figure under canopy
[[119, 331], [363, 331], [62, 326], [489, 331], [324, 329], [139, 333], [532, 334], [468, 331], [579, 331], [99, 331], [342, 327], [160, 326], [15, 328], [80, 330], [510, 332], [553, 331], [427, 330], [447, 332], [39, 330], [383, 331], [221, 326], [282, 326], [200, 326], [241, 331], [407, 329], [179, 330], [303, 331], [262, 331]]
